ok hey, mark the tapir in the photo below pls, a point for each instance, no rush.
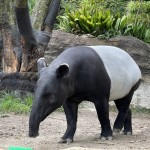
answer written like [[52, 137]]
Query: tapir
[[98, 74]]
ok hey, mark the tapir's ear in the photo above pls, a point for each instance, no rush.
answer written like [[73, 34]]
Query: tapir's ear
[[41, 63], [62, 70]]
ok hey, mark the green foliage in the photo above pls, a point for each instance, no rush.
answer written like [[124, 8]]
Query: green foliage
[[60, 109], [140, 110], [138, 30], [141, 6], [9, 103], [123, 26], [115, 6], [87, 19], [135, 109], [118, 27], [102, 18], [31, 4], [139, 12]]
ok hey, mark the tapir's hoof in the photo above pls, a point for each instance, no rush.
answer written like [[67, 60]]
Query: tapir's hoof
[[116, 131], [126, 132], [33, 135], [68, 141], [106, 138]]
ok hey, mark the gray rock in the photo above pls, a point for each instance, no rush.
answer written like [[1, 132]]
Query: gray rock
[[61, 40]]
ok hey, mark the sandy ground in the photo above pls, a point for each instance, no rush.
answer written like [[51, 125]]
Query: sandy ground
[[14, 132]]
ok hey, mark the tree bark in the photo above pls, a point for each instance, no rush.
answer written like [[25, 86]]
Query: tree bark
[[51, 16], [11, 57], [39, 13], [29, 43], [11, 46], [22, 48], [44, 14]]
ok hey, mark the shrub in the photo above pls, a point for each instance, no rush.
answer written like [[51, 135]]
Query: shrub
[[139, 12], [94, 17], [87, 19], [138, 30], [139, 19], [115, 6]]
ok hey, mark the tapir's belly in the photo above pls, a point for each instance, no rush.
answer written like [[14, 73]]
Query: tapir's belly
[[121, 68]]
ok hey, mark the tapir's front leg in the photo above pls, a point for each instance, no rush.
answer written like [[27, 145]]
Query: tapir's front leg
[[71, 110], [102, 108]]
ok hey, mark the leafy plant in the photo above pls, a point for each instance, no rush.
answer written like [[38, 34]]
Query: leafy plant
[[102, 18], [115, 6], [138, 30], [138, 11], [9, 103], [31, 5], [87, 19], [138, 20], [147, 36]]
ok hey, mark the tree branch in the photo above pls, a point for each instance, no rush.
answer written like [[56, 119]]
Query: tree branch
[[52, 14], [29, 43], [24, 25]]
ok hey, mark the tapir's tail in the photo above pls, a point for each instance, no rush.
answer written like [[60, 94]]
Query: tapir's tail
[[137, 85]]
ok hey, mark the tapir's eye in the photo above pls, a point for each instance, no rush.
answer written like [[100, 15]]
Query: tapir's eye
[[52, 99]]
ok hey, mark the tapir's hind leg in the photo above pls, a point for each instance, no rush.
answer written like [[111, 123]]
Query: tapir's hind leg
[[128, 123], [124, 114], [124, 118]]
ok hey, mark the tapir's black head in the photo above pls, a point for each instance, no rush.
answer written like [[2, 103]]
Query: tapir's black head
[[52, 89]]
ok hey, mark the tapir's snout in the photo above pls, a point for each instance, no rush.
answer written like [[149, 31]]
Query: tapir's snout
[[33, 130], [34, 123], [38, 114]]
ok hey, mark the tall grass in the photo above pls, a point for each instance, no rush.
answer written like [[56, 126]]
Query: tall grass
[[9, 103]]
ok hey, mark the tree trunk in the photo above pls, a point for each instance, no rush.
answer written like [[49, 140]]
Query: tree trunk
[[10, 61], [34, 43], [11, 46], [21, 45], [51, 15], [29, 44], [39, 13]]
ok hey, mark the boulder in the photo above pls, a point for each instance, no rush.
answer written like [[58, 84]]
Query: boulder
[[61, 40]]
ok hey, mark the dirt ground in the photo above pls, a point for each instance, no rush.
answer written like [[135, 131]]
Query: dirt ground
[[14, 132]]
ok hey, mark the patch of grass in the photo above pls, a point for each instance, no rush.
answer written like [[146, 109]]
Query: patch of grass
[[9, 103], [134, 109], [140, 110], [60, 109]]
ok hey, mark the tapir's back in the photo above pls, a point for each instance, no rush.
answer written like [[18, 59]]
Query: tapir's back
[[121, 68]]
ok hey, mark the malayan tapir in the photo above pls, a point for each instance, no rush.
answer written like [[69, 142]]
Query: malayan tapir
[[94, 73]]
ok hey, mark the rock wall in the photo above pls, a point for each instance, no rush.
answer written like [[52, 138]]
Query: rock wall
[[61, 40], [142, 95]]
